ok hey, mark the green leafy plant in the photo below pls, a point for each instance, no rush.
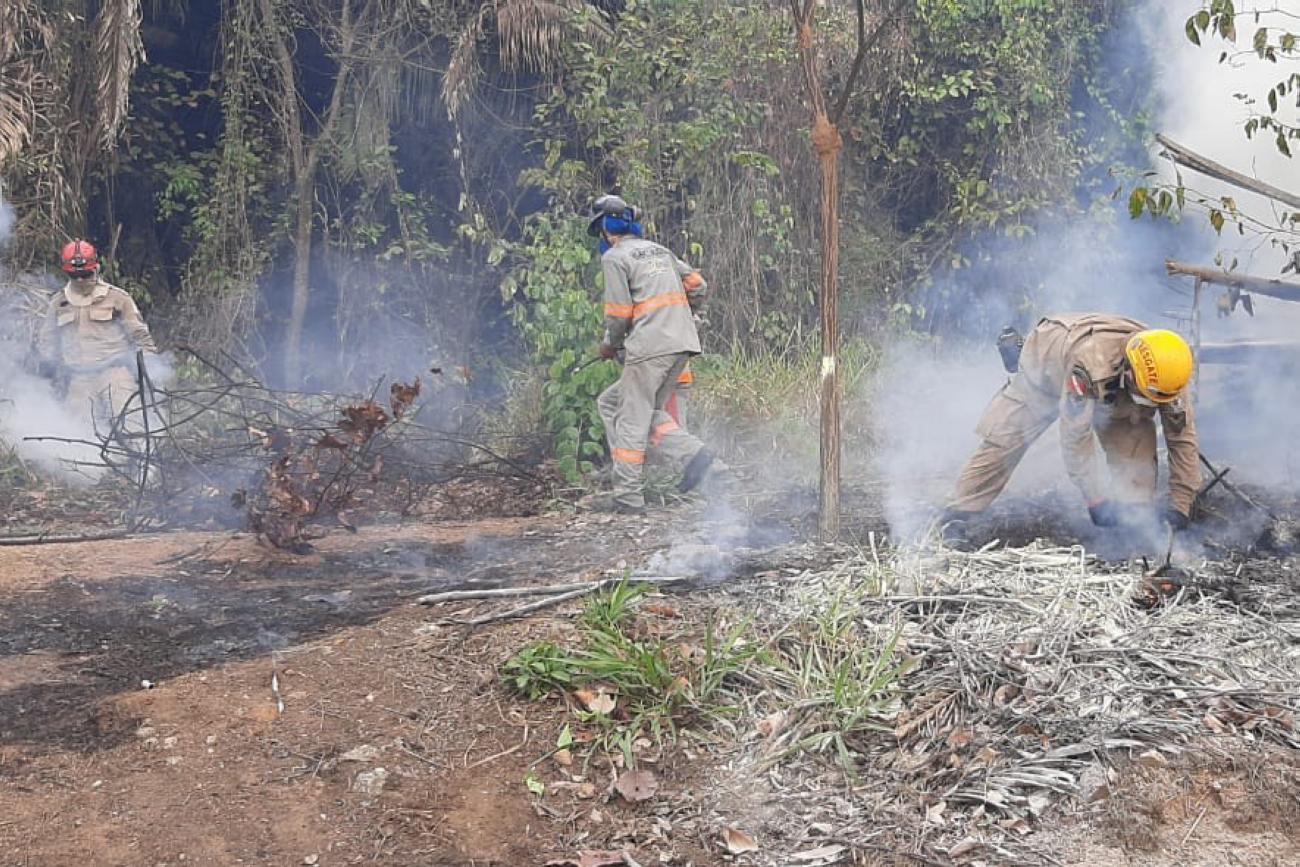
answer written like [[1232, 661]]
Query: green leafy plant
[[658, 682], [539, 669], [554, 305]]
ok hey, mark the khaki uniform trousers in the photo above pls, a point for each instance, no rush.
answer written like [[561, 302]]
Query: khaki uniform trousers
[[1017, 417], [101, 395], [632, 410]]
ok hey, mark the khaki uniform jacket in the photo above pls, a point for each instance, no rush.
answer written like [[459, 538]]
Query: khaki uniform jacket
[[86, 334], [649, 298], [1070, 366]]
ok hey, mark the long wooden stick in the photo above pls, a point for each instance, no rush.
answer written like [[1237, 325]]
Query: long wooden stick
[[1208, 167], [1247, 351], [1234, 490], [532, 606], [541, 589], [49, 539], [1283, 289]]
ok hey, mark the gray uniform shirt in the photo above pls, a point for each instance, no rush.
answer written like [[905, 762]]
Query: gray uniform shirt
[[649, 298]]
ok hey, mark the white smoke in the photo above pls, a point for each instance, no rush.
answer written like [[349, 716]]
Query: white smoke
[[6, 220], [34, 423], [1204, 105]]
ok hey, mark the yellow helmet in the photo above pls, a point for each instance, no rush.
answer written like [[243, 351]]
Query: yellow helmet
[[1161, 362]]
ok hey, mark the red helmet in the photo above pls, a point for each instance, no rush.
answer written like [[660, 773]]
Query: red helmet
[[80, 258]]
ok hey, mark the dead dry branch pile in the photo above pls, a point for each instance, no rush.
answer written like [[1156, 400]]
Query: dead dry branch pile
[[288, 460], [1000, 679]]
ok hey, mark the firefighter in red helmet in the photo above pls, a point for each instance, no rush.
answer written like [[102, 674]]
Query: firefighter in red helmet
[[91, 333]]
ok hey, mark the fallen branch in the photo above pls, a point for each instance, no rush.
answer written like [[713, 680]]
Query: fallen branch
[[578, 591], [540, 590], [532, 606], [1282, 289], [1234, 490], [50, 539], [1183, 156]]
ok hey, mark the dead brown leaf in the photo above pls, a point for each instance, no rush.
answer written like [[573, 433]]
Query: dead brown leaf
[[1005, 694], [329, 441], [773, 724], [363, 420], [737, 841], [965, 847], [596, 702], [636, 786], [401, 396], [960, 738], [1019, 825]]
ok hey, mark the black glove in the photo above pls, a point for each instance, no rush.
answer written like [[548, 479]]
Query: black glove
[[1104, 514], [606, 351], [1176, 519]]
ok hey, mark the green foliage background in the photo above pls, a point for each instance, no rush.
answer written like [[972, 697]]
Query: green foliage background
[[971, 117]]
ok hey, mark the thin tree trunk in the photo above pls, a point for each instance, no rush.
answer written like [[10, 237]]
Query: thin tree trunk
[[305, 155], [827, 143], [828, 148], [302, 246], [1284, 290], [1185, 156]]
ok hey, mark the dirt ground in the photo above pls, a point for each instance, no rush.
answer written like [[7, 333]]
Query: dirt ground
[[195, 698]]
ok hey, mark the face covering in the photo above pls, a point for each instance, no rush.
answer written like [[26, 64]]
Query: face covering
[[618, 226]]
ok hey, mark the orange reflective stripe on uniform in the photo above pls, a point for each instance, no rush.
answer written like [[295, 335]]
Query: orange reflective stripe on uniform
[[660, 431], [687, 378], [658, 302], [619, 311], [692, 281], [628, 456]]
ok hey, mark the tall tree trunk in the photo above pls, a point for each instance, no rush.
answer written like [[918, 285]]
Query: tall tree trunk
[[305, 152], [828, 144], [302, 246]]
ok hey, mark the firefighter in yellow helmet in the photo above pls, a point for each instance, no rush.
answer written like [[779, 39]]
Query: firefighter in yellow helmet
[[1106, 378]]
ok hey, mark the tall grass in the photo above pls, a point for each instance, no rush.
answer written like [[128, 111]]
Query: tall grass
[[762, 404]]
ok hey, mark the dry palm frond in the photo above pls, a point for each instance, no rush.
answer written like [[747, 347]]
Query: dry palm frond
[[118, 49], [530, 36], [17, 111], [531, 32], [25, 41], [463, 70]]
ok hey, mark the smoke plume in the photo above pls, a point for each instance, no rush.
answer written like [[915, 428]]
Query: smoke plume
[[6, 220], [33, 421]]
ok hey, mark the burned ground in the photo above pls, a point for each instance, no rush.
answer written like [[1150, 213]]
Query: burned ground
[[304, 709]]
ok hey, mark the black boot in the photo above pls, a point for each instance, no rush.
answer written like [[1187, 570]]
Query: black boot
[[954, 528], [696, 469]]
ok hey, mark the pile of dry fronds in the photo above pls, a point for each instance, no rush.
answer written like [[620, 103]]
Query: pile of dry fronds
[[962, 694]]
